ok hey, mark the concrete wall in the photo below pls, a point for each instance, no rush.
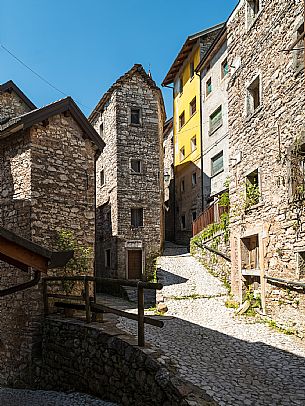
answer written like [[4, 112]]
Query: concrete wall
[[264, 138]]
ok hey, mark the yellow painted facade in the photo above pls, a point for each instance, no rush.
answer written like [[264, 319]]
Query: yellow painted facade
[[187, 135]]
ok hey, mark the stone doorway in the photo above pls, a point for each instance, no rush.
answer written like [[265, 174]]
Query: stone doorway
[[134, 264]]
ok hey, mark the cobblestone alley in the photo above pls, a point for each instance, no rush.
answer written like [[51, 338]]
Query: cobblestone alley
[[237, 361]]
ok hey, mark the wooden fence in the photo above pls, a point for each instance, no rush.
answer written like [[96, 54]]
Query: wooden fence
[[91, 308], [209, 216]]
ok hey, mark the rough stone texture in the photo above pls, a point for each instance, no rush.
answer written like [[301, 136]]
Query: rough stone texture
[[266, 137], [123, 189], [47, 184], [234, 359], [11, 105], [86, 358]]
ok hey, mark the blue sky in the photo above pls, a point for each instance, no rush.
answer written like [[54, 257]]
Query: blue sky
[[82, 47]]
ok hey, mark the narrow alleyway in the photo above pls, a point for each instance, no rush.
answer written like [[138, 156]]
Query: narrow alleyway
[[237, 361]]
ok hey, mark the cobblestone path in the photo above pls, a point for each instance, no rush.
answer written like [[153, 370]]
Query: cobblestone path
[[237, 361], [18, 397]]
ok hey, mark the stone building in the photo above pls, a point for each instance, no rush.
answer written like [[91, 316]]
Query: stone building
[[267, 139], [169, 181], [129, 175], [47, 160], [189, 197]]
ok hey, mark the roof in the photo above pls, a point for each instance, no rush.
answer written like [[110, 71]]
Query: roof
[[27, 120], [213, 48], [23, 253], [137, 68], [185, 51], [10, 85]]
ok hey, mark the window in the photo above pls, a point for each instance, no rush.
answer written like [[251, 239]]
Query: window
[[209, 87], [137, 218], [181, 120], [108, 258], [192, 70], [194, 215], [193, 106], [216, 119], [182, 154], [183, 222], [298, 49], [252, 189], [297, 171], [253, 96], [180, 85], [102, 177], [136, 165], [217, 164], [193, 143], [135, 116], [194, 179], [224, 68], [182, 186], [250, 253], [253, 9], [101, 129]]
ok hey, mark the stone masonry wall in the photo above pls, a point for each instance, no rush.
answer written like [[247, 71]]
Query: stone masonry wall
[[265, 138], [11, 105], [88, 359], [47, 185]]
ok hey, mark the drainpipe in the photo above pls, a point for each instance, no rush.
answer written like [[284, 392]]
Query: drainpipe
[[174, 180], [201, 146]]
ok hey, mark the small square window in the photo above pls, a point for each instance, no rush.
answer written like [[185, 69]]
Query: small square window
[[135, 116], [217, 164], [182, 154], [224, 68], [136, 165], [216, 119], [253, 9], [194, 179], [182, 119], [102, 177], [252, 189], [193, 107], [253, 96], [183, 222], [108, 258], [193, 143], [209, 86], [137, 217], [192, 70]]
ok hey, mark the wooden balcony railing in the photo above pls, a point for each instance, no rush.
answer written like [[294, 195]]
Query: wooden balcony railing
[[209, 216]]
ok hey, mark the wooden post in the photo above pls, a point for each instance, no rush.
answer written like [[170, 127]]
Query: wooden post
[[141, 340], [87, 300], [45, 297]]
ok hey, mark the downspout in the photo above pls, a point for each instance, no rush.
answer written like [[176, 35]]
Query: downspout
[[201, 145], [174, 180]]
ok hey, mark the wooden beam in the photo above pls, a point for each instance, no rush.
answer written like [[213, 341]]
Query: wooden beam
[[23, 255]]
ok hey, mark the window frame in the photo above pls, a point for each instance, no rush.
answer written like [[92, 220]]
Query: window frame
[[139, 110], [136, 220], [193, 144], [132, 171], [107, 263], [251, 108], [182, 154], [250, 19], [213, 160], [208, 85], [193, 103], [181, 119], [102, 171], [224, 63], [215, 125], [194, 179]]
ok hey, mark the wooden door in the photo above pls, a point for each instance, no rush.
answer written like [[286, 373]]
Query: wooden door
[[134, 264]]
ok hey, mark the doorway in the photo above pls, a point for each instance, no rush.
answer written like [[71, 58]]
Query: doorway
[[134, 264]]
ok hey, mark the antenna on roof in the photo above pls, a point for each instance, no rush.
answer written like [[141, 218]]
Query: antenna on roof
[[149, 71]]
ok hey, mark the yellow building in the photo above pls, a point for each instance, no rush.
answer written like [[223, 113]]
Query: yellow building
[[189, 196]]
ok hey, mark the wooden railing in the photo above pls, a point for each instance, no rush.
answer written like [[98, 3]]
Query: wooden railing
[[91, 308], [209, 216]]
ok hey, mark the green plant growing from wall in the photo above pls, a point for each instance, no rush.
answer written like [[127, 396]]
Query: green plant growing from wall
[[252, 194], [79, 264], [151, 267]]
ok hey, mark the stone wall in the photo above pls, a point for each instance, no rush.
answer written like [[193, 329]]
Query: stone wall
[[89, 359], [47, 185], [265, 137], [123, 189], [11, 105]]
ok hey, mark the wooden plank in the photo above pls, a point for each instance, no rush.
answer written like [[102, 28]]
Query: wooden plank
[[23, 255], [141, 338], [68, 297]]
